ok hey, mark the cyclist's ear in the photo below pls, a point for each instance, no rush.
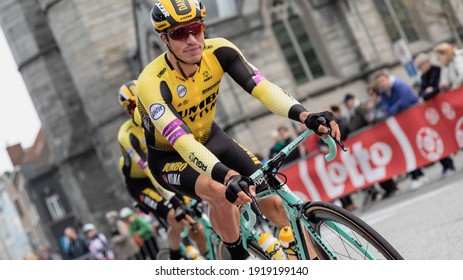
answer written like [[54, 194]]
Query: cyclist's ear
[[163, 38]]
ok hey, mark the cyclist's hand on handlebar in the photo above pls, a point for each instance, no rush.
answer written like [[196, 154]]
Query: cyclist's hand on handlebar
[[239, 189], [323, 123]]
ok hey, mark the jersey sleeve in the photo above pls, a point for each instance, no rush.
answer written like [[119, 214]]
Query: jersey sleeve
[[137, 117], [250, 79], [157, 102]]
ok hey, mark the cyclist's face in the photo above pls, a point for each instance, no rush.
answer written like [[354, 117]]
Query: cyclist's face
[[190, 47]]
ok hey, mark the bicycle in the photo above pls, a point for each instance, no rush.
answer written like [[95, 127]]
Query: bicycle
[[321, 230]]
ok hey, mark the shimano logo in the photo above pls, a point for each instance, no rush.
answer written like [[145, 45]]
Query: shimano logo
[[195, 160]]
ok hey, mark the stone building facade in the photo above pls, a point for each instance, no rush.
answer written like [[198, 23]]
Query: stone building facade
[[74, 55]]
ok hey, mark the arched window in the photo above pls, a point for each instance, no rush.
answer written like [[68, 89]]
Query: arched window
[[295, 43]]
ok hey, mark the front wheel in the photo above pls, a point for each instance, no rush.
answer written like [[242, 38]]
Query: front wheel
[[344, 236]]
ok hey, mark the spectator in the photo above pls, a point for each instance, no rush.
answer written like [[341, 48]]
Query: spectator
[[398, 96], [430, 76], [98, 244], [376, 111], [343, 121], [64, 243], [142, 232], [121, 241], [77, 245], [278, 144], [451, 60], [357, 112], [282, 138]]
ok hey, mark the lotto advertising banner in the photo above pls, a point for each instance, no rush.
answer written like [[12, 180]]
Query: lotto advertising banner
[[414, 138]]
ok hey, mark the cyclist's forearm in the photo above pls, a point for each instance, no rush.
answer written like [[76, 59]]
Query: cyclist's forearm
[[278, 101], [140, 162]]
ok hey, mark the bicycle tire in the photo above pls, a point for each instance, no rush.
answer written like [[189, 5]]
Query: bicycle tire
[[253, 249], [319, 213]]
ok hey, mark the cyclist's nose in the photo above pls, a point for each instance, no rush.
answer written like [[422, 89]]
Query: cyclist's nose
[[191, 38]]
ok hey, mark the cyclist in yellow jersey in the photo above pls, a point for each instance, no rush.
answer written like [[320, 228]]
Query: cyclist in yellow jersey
[[177, 94], [140, 183]]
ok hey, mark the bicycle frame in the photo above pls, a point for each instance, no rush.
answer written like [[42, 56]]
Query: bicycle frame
[[293, 205]]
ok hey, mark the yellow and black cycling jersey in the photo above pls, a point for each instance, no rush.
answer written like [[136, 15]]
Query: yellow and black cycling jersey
[[133, 162], [178, 113]]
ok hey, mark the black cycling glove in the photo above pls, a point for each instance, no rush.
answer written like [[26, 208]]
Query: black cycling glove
[[236, 184], [180, 214], [314, 120]]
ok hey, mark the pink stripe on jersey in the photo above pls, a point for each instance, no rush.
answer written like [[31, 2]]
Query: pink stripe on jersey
[[258, 77], [174, 137], [171, 127], [143, 164]]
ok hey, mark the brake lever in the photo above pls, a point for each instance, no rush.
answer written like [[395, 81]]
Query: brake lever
[[193, 227], [322, 121], [254, 206]]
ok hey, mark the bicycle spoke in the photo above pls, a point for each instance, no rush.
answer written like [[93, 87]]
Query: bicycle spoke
[[343, 242], [350, 248]]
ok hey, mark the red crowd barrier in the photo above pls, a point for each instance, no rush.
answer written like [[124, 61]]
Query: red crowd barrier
[[414, 138]]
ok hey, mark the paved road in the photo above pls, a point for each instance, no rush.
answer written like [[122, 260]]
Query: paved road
[[423, 224]]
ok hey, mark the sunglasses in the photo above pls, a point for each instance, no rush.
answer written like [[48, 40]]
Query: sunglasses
[[183, 32], [129, 108]]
